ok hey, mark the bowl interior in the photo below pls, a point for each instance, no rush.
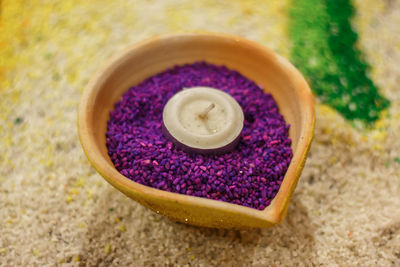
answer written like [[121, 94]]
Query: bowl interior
[[272, 72]]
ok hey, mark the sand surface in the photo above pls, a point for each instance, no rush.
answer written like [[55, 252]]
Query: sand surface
[[55, 210]]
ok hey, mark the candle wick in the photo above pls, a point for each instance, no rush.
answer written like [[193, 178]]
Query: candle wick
[[203, 115]]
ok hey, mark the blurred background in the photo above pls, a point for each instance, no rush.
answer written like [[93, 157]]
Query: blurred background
[[56, 210]]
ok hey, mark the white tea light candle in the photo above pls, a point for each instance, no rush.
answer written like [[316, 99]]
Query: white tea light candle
[[203, 120]]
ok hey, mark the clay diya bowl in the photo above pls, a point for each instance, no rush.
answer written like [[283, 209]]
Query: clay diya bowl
[[145, 59]]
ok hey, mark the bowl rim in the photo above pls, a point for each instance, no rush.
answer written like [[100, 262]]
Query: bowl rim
[[273, 213]]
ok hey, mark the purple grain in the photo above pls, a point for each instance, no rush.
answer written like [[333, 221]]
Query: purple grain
[[250, 175]]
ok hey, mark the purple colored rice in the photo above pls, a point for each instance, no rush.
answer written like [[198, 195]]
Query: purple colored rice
[[250, 175]]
